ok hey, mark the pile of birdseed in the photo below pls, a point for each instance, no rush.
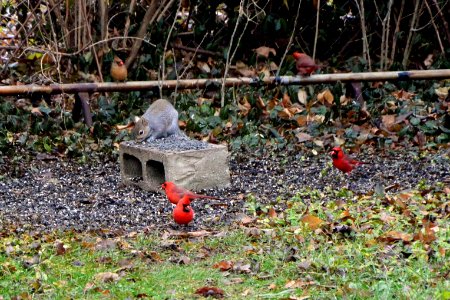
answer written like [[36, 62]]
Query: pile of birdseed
[[173, 143]]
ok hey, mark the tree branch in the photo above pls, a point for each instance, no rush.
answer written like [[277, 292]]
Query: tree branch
[[395, 35], [127, 22], [290, 39], [435, 27], [412, 32], [317, 30], [141, 32]]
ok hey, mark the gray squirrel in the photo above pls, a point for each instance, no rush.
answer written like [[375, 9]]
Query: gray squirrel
[[159, 120]]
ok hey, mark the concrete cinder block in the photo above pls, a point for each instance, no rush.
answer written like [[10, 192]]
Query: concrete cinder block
[[149, 167]]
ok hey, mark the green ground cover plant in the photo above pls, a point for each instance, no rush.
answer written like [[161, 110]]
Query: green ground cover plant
[[339, 245]]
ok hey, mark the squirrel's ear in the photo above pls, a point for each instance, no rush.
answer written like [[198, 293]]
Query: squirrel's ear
[[136, 119]]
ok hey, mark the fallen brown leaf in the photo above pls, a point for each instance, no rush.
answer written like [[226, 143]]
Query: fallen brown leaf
[[245, 220], [210, 291], [343, 100], [236, 280], [199, 233], [402, 95], [106, 277], [312, 221], [326, 98], [386, 218], [302, 96], [388, 121], [246, 292], [285, 114], [273, 66], [303, 137], [442, 92], [241, 267], [183, 260], [127, 126], [302, 120], [223, 265], [203, 67], [272, 103], [272, 213], [420, 139], [36, 111], [260, 103], [293, 284], [425, 237], [89, 286], [244, 107], [104, 260], [305, 265], [394, 236], [253, 232], [60, 250], [265, 51], [184, 234], [286, 101], [106, 244], [125, 263], [298, 298]]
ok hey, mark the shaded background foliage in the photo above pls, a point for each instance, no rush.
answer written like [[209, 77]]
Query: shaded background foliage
[[64, 41], [67, 31]]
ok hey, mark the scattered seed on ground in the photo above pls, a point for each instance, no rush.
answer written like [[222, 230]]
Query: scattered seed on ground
[[62, 194]]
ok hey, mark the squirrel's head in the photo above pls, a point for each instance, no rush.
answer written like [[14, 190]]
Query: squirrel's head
[[141, 130]]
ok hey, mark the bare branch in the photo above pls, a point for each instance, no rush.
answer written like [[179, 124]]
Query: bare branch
[[55, 7], [103, 20], [395, 35], [231, 51], [141, 32], [163, 58], [290, 38], [228, 60], [127, 22], [366, 52], [435, 27], [197, 50], [386, 24], [34, 49], [413, 24], [444, 21], [165, 8], [94, 51], [317, 30], [193, 56]]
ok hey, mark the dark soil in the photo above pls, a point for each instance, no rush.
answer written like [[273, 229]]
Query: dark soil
[[61, 194]]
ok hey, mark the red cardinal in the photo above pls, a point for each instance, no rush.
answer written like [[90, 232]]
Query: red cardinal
[[183, 212], [175, 193], [343, 162], [305, 64]]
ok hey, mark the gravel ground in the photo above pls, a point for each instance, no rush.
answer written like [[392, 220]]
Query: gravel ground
[[61, 194]]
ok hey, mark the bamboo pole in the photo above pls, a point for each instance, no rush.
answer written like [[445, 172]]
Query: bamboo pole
[[73, 88]]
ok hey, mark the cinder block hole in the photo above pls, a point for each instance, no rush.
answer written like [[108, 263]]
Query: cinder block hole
[[132, 167], [155, 171]]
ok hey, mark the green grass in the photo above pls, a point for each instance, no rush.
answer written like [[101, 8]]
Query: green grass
[[379, 255]]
